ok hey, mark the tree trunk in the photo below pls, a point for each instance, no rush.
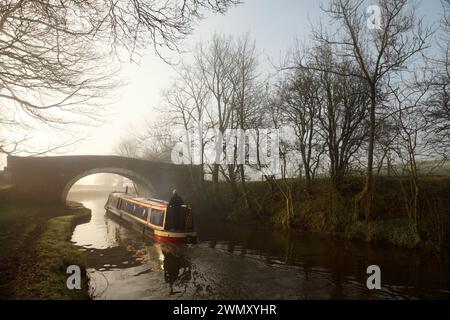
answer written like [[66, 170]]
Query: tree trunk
[[245, 193], [215, 182], [289, 208], [363, 202], [231, 179]]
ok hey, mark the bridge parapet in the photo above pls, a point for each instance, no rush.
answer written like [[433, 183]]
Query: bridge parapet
[[48, 179]]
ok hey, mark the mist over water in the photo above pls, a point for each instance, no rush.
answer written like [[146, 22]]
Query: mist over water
[[236, 262]]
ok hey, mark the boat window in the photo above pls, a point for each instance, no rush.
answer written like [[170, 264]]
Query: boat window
[[144, 212], [130, 207], [157, 217], [124, 205], [127, 206], [140, 212]]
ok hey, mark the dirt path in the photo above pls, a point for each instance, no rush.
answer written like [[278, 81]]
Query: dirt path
[[26, 271]]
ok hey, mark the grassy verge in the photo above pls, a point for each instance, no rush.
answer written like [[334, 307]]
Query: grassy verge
[[35, 250], [331, 212]]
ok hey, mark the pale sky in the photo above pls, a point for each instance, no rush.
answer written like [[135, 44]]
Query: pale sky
[[273, 24]]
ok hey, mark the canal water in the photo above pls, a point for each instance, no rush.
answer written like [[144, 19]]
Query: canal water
[[233, 262]]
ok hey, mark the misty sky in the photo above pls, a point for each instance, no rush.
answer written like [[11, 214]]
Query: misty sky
[[273, 24]]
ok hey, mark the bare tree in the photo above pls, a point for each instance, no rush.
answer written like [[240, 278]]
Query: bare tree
[[439, 100], [301, 110], [380, 54], [128, 148], [185, 106], [47, 66], [246, 103], [198, 97], [412, 145], [157, 141], [343, 110], [52, 53], [154, 142], [216, 65], [220, 90], [386, 149], [135, 24]]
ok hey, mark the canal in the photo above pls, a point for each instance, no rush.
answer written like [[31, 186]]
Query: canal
[[234, 262]]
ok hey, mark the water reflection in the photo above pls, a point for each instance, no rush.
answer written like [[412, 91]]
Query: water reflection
[[232, 262], [177, 271]]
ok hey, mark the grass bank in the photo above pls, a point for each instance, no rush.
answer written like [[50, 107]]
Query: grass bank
[[35, 250], [331, 212]]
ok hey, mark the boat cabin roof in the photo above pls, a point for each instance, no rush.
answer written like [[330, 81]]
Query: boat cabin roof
[[142, 200]]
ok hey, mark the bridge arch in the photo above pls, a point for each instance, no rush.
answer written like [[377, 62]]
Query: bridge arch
[[49, 179], [143, 184]]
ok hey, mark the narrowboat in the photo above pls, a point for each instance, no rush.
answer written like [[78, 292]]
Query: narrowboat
[[154, 216]]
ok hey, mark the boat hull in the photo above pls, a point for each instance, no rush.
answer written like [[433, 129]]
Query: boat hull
[[161, 235], [175, 237]]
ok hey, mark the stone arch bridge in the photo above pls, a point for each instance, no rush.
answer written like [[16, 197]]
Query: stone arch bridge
[[49, 179]]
